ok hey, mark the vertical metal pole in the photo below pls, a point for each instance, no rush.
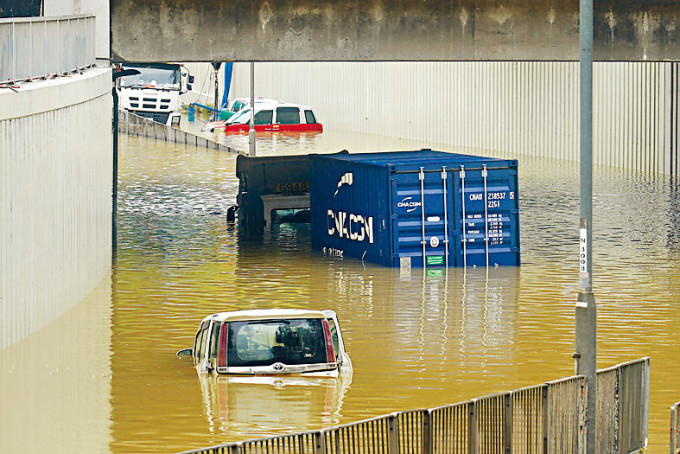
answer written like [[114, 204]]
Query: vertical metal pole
[[545, 390], [251, 134], [319, 442], [473, 446], [426, 430], [393, 440], [421, 177], [586, 314], [508, 422], [217, 91]]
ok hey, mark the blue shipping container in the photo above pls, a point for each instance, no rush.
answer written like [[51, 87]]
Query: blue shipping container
[[416, 208]]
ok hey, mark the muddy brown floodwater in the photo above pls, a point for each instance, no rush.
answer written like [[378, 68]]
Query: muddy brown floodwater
[[415, 340]]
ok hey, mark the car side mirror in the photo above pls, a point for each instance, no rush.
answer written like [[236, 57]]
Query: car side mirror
[[186, 352], [191, 79]]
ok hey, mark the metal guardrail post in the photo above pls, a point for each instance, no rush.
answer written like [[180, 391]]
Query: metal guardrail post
[[426, 429], [320, 442], [583, 417], [645, 403], [507, 422], [544, 419], [473, 442], [393, 435]]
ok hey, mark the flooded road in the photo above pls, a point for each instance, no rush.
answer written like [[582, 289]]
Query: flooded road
[[415, 340]]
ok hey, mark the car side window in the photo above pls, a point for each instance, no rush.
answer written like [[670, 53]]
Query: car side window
[[288, 115], [214, 339], [309, 116], [201, 341], [264, 117], [334, 337]]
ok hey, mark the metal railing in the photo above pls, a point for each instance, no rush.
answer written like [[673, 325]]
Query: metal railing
[[134, 125], [546, 418], [675, 428], [41, 47], [622, 407]]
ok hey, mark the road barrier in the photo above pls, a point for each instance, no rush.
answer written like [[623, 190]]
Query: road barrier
[[42, 47], [546, 418], [132, 124], [675, 428]]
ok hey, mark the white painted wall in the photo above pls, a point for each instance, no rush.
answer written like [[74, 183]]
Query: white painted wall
[[99, 8], [523, 108], [55, 198]]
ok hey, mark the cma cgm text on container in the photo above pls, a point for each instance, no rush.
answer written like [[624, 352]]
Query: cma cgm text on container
[[416, 208]]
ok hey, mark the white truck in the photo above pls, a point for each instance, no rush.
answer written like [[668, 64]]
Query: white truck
[[154, 92]]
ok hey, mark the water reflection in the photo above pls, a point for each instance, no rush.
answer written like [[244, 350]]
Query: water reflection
[[258, 406], [55, 385], [416, 340]]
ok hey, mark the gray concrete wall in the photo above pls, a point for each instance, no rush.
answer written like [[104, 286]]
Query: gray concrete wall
[[388, 30], [521, 108], [55, 198]]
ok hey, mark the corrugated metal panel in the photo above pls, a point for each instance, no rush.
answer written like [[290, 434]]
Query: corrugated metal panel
[[523, 108], [673, 115], [428, 208], [350, 210]]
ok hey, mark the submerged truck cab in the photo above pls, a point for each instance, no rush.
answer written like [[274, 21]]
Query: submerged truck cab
[[270, 342], [155, 92]]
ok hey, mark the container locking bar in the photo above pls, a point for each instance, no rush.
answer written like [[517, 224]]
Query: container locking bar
[[421, 177], [446, 220], [462, 194], [486, 216]]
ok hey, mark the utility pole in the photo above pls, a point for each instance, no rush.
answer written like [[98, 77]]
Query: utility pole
[[585, 332], [216, 67], [251, 134]]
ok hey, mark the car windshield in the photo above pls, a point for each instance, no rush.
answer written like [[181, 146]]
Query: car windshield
[[265, 342], [152, 77], [240, 118]]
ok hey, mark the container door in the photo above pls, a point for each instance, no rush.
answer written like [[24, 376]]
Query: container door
[[422, 210], [486, 214]]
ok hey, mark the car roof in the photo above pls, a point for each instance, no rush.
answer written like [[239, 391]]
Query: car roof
[[273, 105], [257, 100], [265, 314]]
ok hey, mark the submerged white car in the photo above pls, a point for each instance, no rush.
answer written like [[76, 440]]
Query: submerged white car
[[270, 342]]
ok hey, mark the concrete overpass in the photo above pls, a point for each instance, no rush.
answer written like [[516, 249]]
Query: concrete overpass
[[389, 30]]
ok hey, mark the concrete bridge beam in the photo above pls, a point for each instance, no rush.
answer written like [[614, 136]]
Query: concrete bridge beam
[[389, 30]]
